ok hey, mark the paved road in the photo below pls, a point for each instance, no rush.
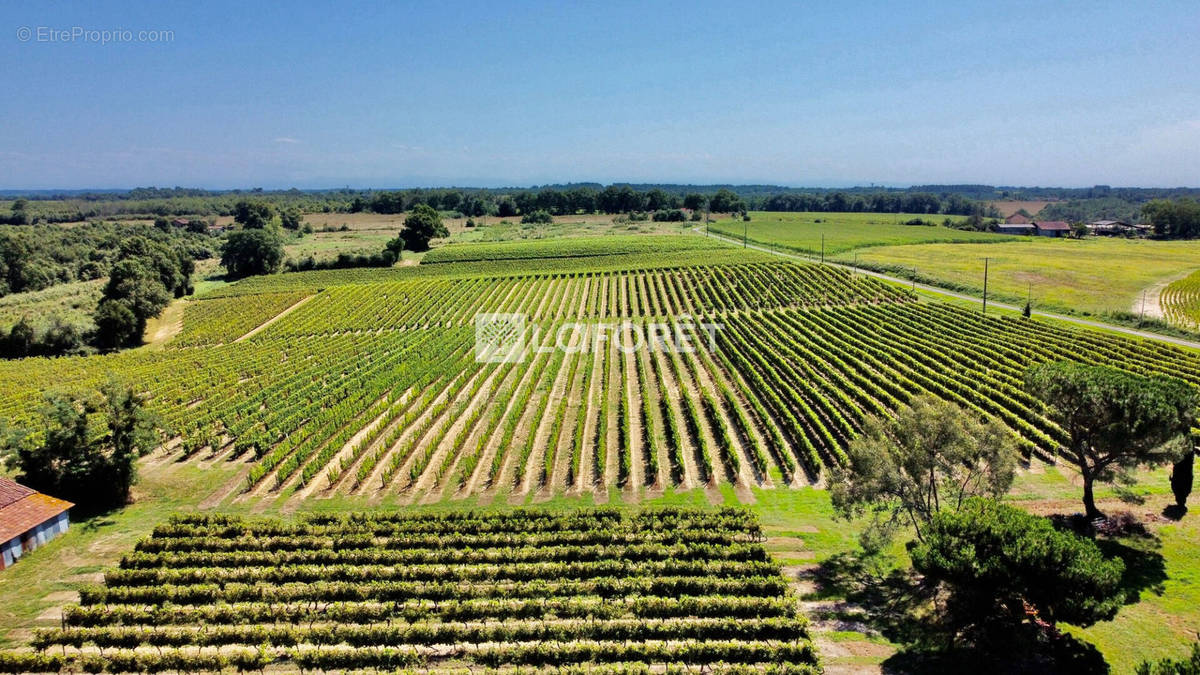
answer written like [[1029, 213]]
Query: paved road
[[961, 296]]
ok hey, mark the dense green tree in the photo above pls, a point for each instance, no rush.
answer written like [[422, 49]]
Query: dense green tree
[[726, 201], [932, 456], [395, 246], [251, 252], [657, 199], [695, 201], [88, 448], [20, 339], [291, 218], [506, 207], [138, 288], [1115, 421], [421, 225], [116, 325], [1178, 219], [1001, 568], [253, 214], [172, 266]]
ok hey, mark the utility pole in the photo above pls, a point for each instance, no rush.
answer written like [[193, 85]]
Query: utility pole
[[745, 231], [985, 280], [822, 247], [1142, 318]]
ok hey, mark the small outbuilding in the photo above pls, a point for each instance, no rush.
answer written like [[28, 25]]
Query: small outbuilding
[[1015, 228], [1053, 228], [1018, 219], [28, 519]]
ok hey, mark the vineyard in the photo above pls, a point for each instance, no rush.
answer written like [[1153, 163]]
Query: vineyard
[[599, 590], [1180, 302], [580, 247], [372, 390]]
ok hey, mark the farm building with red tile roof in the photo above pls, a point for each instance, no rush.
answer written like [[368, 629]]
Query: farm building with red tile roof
[[1052, 228], [28, 519]]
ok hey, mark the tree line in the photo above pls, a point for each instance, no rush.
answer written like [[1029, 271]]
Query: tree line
[[475, 202]]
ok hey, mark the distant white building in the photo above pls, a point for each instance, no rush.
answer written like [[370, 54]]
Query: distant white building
[[28, 519]]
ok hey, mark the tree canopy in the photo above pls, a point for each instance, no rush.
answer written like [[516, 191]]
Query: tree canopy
[[1115, 421], [1003, 567], [140, 285], [1178, 219], [932, 456], [250, 252], [88, 447], [253, 214], [421, 225]]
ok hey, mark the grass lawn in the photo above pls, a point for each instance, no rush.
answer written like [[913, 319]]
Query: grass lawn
[[1090, 276], [802, 232]]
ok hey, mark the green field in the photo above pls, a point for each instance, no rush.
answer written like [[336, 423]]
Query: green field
[[591, 588], [803, 232], [365, 395], [1088, 276]]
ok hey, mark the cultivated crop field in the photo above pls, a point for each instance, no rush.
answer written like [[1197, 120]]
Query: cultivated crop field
[[369, 387], [602, 590], [802, 232], [312, 395], [1180, 302]]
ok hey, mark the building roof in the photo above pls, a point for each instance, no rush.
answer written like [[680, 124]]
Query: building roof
[[1052, 225], [22, 509], [1014, 226], [1017, 219], [12, 491], [1108, 223]]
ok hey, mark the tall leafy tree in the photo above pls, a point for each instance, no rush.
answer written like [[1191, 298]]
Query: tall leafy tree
[[291, 218], [1115, 421], [89, 446], [421, 225], [931, 457], [253, 214], [251, 252], [726, 201], [116, 326]]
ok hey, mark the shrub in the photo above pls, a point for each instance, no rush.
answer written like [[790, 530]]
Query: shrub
[[541, 216]]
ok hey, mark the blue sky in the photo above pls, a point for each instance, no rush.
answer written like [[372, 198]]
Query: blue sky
[[491, 93]]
